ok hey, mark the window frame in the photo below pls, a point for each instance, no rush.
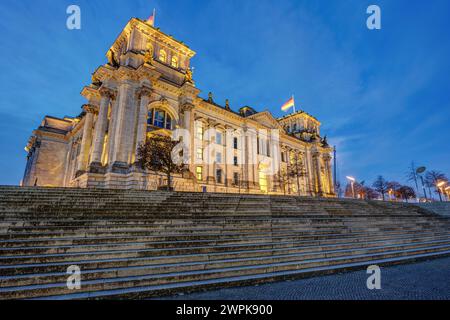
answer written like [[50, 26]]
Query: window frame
[[176, 64], [199, 173], [162, 53], [219, 175]]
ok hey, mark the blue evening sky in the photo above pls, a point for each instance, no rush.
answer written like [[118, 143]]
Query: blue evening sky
[[383, 96]]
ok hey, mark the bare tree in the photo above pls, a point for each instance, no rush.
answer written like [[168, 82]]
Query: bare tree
[[433, 178], [296, 169], [381, 185], [412, 176], [358, 189], [393, 187], [156, 155], [406, 192]]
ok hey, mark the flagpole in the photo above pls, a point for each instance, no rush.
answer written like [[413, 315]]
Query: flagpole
[[293, 99], [154, 16]]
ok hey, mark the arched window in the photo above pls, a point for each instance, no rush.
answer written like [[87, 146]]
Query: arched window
[[162, 56], [159, 119], [174, 62]]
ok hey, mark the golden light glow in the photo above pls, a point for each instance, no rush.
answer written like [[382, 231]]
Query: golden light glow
[[174, 62], [441, 184], [199, 172], [162, 56], [351, 178]]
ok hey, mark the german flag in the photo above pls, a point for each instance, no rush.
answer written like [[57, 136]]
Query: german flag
[[151, 19]]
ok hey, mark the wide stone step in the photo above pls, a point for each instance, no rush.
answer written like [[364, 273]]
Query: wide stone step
[[207, 252], [214, 246], [177, 241], [140, 243], [218, 269], [141, 292], [202, 226]]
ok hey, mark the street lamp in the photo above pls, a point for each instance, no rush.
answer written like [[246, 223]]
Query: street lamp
[[352, 182], [390, 194], [440, 188], [448, 193]]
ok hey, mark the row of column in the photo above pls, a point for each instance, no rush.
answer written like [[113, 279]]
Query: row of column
[[126, 127]]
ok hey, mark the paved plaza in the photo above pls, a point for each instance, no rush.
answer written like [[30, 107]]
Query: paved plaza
[[419, 281]]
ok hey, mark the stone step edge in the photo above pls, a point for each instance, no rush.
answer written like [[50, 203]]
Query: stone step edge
[[376, 239], [238, 239], [137, 251], [258, 258], [403, 253], [159, 290]]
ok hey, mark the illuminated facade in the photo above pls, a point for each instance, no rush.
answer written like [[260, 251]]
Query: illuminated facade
[[147, 88]]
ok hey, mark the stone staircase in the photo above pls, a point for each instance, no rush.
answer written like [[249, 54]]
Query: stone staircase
[[133, 244]]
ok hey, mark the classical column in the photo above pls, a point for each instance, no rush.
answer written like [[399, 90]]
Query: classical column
[[100, 127], [87, 138], [316, 159], [210, 160], [141, 133], [124, 131], [188, 124], [327, 160]]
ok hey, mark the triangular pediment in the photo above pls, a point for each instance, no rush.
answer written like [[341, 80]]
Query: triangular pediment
[[266, 119]]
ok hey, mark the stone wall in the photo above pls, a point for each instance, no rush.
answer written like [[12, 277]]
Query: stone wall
[[441, 208], [50, 165]]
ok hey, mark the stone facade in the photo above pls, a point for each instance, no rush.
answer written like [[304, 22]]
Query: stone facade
[[147, 88]]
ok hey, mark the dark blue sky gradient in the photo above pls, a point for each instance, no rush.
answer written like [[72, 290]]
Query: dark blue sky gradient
[[383, 96]]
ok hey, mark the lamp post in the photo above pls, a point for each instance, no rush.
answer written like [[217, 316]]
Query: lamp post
[[352, 182], [440, 188], [447, 190], [419, 172]]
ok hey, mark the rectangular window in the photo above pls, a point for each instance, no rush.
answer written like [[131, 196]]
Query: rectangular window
[[257, 146], [199, 131], [159, 119], [235, 143], [219, 175], [219, 138], [268, 149], [200, 153], [218, 157], [236, 179], [283, 158], [235, 161], [199, 173]]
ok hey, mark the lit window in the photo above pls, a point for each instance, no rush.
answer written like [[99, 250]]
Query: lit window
[[219, 138], [219, 175], [160, 119], [199, 173], [174, 62], [199, 131], [219, 157], [200, 153], [162, 56]]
